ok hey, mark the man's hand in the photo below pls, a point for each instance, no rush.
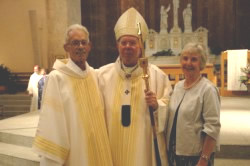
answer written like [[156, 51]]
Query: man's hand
[[151, 99]]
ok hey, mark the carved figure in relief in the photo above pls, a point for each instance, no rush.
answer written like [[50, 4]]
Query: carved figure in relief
[[187, 17], [164, 18]]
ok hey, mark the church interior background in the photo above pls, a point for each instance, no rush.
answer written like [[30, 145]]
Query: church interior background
[[32, 32]]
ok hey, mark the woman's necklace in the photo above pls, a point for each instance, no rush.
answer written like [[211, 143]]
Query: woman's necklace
[[193, 84]]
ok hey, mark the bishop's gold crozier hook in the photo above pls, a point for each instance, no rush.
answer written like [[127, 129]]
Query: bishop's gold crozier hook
[[143, 61]]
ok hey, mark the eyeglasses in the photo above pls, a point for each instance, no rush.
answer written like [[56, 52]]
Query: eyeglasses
[[77, 43]]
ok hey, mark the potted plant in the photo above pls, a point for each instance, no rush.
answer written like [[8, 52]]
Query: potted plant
[[8, 80], [246, 78]]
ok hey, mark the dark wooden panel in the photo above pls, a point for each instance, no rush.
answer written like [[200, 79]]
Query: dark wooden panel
[[226, 20], [98, 17], [230, 27], [243, 24]]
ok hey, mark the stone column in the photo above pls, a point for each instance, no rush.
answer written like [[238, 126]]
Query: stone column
[[35, 36], [60, 14]]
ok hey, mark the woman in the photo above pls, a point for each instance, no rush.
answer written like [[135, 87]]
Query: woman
[[194, 113]]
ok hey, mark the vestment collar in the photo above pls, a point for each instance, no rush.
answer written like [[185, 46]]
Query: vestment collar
[[134, 74], [68, 67]]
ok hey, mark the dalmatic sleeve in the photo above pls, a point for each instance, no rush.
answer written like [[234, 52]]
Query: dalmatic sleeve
[[51, 140], [211, 112]]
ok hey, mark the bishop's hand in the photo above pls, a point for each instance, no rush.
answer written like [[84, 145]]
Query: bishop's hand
[[151, 99]]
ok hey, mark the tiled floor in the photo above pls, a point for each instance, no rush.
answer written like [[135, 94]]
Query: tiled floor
[[25, 124], [16, 136], [235, 128]]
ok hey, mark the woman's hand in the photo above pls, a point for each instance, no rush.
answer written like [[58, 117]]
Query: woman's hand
[[202, 162]]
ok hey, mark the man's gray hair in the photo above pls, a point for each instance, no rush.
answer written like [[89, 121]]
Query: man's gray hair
[[76, 27], [196, 48]]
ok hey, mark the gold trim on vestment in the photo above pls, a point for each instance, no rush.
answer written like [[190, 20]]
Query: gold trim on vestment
[[124, 139], [91, 114], [50, 147]]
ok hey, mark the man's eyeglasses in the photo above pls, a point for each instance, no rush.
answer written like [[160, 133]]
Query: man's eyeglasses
[[76, 43]]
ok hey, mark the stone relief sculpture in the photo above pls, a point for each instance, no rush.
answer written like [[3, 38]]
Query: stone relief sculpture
[[176, 6], [187, 17], [151, 39], [176, 38], [164, 19]]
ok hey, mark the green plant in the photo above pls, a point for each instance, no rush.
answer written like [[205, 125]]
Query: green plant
[[169, 52], [8, 79], [246, 78], [246, 69]]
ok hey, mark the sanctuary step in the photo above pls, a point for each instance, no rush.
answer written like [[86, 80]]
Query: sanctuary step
[[231, 162], [234, 152], [23, 80], [12, 105], [17, 134], [235, 132], [13, 155], [16, 137]]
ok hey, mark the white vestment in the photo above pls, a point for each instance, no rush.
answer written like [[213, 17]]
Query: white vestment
[[33, 90], [132, 145], [198, 113], [72, 129]]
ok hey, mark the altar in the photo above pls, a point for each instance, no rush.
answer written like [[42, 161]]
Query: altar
[[175, 73], [172, 43], [176, 39], [172, 67]]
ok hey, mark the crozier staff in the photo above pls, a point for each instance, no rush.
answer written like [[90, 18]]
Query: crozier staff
[[143, 62]]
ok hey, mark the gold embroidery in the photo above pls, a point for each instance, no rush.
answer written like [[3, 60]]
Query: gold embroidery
[[50, 147], [123, 139], [91, 114]]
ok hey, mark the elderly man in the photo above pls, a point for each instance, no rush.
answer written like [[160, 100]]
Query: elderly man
[[126, 102], [72, 128]]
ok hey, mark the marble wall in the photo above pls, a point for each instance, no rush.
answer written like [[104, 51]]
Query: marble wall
[[224, 19], [32, 32], [23, 34]]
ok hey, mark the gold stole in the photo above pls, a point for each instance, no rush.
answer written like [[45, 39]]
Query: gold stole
[[91, 114], [123, 139]]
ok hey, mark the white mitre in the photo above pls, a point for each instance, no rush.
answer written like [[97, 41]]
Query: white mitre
[[127, 24]]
